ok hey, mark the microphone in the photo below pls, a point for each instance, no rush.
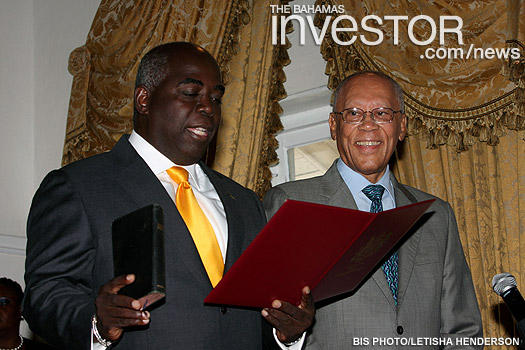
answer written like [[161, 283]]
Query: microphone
[[504, 285]]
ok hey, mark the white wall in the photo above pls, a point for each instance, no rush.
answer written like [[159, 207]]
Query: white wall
[[37, 37], [17, 132], [60, 27]]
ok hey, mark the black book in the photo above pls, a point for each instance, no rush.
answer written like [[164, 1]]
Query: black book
[[138, 248]]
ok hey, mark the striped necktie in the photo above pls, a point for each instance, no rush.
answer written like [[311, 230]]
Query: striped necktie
[[390, 267]]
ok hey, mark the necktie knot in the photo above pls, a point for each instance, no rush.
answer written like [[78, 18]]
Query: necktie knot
[[178, 174], [374, 192]]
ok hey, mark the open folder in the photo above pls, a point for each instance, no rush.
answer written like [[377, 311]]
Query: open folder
[[328, 248]]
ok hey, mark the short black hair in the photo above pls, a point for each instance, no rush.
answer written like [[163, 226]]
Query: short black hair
[[14, 286], [397, 88], [154, 67]]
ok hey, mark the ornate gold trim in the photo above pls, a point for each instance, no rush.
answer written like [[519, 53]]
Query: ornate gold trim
[[273, 121], [77, 137], [239, 16]]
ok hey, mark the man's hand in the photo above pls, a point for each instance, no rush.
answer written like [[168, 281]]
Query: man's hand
[[290, 321], [114, 312]]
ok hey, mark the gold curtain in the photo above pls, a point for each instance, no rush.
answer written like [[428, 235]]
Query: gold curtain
[[456, 104], [246, 145], [486, 188], [104, 69]]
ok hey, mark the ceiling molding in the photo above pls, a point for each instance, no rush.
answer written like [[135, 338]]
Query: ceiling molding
[[14, 245]]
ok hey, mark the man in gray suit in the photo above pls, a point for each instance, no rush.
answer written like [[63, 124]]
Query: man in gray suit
[[422, 294], [69, 300]]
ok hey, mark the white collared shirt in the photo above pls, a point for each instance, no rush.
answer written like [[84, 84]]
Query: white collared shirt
[[203, 189]]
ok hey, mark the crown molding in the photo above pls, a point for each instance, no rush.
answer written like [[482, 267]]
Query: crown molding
[[15, 245]]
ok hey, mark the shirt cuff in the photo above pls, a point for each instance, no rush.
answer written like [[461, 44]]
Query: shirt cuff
[[95, 344], [295, 346]]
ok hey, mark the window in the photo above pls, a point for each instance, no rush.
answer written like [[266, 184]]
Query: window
[[311, 160], [305, 147]]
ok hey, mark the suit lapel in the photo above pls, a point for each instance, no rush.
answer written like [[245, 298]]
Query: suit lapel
[[334, 189], [229, 201], [143, 187], [337, 193], [408, 251]]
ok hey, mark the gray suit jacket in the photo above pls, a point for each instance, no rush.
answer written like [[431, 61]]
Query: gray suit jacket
[[69, 256], [436, 297]]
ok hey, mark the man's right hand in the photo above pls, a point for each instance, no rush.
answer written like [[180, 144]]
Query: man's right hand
[[114, 311]]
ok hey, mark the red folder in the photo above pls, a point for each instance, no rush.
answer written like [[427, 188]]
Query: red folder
[[330, 249]]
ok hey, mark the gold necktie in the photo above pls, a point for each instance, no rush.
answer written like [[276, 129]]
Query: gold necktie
[[198, 225]]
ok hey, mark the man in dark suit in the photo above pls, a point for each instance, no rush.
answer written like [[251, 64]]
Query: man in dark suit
[[69, 253], [422, 295]]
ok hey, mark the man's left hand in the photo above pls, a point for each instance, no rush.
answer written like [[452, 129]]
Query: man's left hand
[[291, 321]]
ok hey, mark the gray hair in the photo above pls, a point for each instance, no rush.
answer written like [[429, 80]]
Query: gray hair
[[397, 89]]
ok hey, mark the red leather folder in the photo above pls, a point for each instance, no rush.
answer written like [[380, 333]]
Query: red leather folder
[[330, 249]]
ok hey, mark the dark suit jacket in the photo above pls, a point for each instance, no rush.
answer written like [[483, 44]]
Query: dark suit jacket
[[436, 296], [69, 256]]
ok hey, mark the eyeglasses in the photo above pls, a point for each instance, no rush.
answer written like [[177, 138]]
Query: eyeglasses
[[380, 115], [4, 301]]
